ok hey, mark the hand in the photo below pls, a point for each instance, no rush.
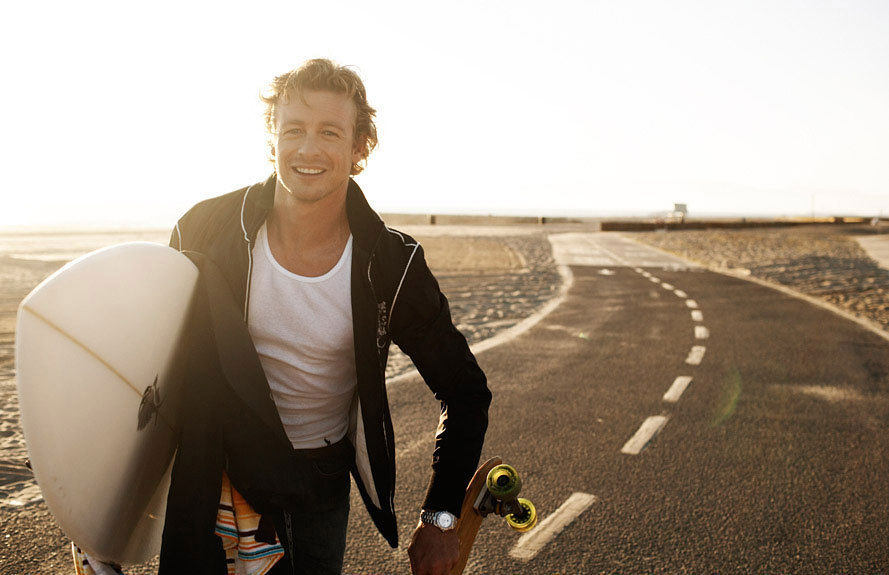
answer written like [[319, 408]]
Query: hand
[[433, 551]]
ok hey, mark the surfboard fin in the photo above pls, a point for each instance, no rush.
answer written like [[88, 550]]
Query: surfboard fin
[[148, 407]]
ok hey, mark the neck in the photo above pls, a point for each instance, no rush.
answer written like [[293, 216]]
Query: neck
[[299, 224]]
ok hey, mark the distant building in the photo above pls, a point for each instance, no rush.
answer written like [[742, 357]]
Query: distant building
[[680, 211]]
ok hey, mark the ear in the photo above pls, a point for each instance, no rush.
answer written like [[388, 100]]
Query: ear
[[359, 150]]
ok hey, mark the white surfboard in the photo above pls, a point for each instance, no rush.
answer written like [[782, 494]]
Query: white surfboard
[[97, 350]]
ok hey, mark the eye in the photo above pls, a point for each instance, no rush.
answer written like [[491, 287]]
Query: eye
[[293, 132]]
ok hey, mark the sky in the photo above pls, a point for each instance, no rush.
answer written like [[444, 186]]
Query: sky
[[128, 113]]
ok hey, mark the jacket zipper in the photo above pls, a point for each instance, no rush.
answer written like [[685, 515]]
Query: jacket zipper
[[249, 256], [373, 292], [288, 525], [249, 280]]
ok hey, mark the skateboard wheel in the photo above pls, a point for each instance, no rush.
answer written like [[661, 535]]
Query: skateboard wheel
[[503, 482], [526, 520]]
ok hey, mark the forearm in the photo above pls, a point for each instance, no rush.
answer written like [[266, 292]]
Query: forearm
[[443, 358]]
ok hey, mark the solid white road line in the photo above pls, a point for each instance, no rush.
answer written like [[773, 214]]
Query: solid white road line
[[680, 293], [512, 332], [691, 303], [697, 315], [649, 428], [696, 355], [677, 389], [667, 286], [533, 541], [701, 332]]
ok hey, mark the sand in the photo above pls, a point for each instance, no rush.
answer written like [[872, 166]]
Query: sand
[[820, 261]]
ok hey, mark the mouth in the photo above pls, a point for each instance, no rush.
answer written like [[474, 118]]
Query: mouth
[[308, 171]]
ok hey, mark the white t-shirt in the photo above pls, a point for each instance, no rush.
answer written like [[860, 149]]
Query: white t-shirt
[[302, 329]]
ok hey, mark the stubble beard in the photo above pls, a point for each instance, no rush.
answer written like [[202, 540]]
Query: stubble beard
[[307, 195]]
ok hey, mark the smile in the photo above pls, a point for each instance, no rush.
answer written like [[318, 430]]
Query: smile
[[308, 171]]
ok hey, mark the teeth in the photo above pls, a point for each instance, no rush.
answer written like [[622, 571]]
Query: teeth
[[308, 171]]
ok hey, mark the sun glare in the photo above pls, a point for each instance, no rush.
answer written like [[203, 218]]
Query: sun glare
[[133, 114]]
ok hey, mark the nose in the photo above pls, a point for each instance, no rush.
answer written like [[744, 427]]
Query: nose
[[308, 146]]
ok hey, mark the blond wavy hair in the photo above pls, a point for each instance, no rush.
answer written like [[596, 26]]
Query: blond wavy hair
[[322, 75]]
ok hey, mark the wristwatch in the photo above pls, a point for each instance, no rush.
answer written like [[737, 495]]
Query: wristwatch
[[444, 520]]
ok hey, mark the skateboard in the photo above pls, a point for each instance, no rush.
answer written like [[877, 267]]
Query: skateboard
[[494, 489]]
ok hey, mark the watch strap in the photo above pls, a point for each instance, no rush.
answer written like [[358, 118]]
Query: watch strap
[[427, 517]]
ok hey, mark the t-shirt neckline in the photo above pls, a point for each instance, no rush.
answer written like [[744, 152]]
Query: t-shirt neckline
[[264, 240]]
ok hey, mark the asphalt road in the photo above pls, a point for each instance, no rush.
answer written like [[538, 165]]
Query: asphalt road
[[772, 460]]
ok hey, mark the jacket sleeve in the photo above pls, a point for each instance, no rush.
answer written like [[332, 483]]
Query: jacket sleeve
[[421, 325]]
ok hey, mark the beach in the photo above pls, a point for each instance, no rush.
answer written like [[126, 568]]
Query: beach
[[494, 277]]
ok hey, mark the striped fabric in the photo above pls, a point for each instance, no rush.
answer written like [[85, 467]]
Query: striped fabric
[[250, 548], [237, 524], [83, 565]]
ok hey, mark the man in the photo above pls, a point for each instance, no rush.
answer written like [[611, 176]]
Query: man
[[302, 290]]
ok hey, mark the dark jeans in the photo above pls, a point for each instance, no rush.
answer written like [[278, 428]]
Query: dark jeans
[[314, 538]]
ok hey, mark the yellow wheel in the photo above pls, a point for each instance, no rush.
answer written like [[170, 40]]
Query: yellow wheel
[[504, 482], [526, 520]]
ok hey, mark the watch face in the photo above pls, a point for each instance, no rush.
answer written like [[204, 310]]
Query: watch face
[[445, 520]]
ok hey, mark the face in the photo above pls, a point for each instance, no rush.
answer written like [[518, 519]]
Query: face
[[315, 144]]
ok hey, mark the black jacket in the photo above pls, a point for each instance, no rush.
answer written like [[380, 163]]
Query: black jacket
[[229, 421]]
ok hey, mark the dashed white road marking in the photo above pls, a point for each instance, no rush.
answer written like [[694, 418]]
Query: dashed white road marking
[[606, 272], [701, 332], [697, 315], [667, 286], [649, 428], [646, 275], [691, 303], [696, 355], [654, 280], [677, 389], [680, 293], [530, 544], [638, 270]]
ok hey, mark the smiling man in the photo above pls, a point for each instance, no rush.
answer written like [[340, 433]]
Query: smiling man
[[271, 431]]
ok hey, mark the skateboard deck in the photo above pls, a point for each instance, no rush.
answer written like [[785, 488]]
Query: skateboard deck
[[494, 489]]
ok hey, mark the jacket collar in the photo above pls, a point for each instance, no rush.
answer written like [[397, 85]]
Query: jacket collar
[[364, 223]]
